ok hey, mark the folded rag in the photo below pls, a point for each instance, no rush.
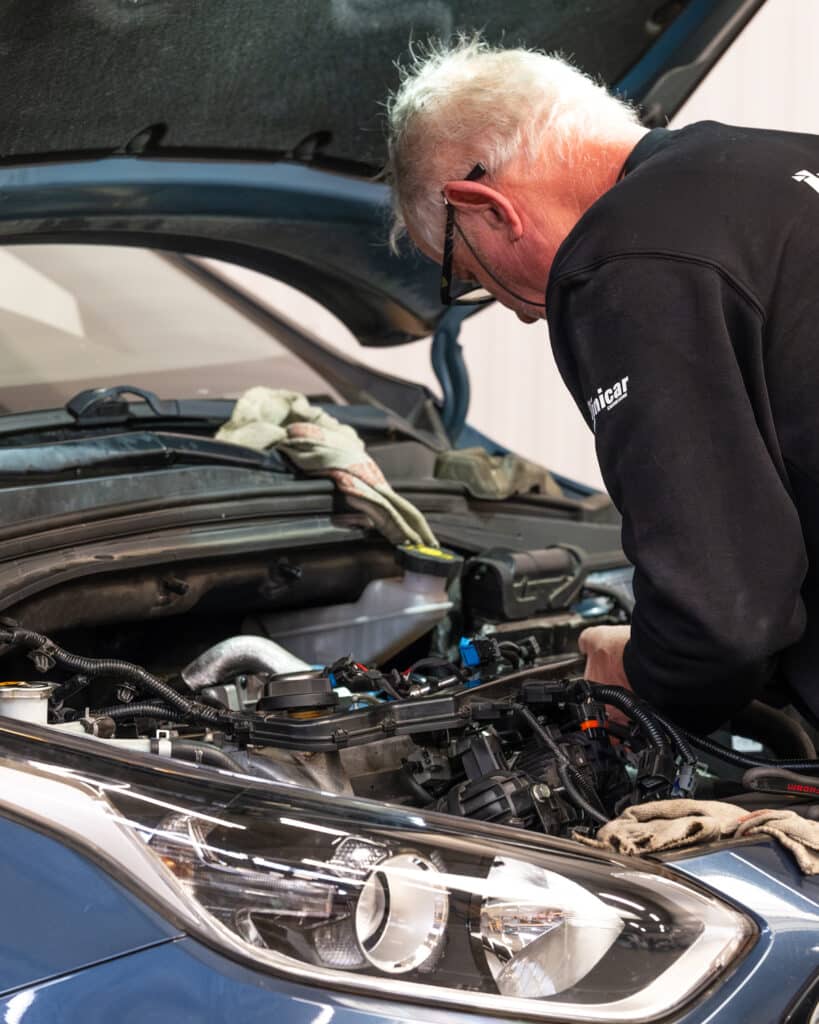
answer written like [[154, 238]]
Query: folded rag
[[672, 824], [321, 446]]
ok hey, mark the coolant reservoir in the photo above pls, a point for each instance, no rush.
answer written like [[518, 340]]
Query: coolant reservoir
[[388, 616], [27, 702]]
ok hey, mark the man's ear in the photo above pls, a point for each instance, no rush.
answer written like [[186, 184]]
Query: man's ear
[[475, 197]]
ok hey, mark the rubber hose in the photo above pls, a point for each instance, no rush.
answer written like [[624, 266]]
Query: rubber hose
[[245, 654], [201, 753], [635, 709], [143, 709], [113, 667], [725, 753], [774, 729], [417, 789], [747, 760]]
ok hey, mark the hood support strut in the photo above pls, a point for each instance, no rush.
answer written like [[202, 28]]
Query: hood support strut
[[450, 369]]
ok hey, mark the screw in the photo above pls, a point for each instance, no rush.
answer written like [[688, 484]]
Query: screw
[[541, 791]]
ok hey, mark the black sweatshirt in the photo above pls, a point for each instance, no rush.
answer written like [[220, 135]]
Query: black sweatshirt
[[684, 317]]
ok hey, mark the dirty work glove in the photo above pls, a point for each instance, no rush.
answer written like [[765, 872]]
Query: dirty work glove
[[321, 446], [672, 824]]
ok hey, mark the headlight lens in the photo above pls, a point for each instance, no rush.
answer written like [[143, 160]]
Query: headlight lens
[[401, 914], [348, 893], [545, 933]]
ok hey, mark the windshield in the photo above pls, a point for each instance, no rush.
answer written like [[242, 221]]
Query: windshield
[[74, 317]]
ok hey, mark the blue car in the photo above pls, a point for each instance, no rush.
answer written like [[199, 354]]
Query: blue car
[[257, 761]]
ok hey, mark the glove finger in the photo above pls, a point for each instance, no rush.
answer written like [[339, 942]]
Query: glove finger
[[317, 458], [258, 435], [380, 518], [355, 488], [330, 435], [413, 515], [262, 405]]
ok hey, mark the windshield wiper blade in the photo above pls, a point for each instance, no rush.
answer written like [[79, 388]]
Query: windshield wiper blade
[[125, 453], [102, 407]]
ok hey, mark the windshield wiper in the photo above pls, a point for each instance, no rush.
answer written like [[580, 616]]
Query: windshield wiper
[[105, 407], [126, 453], [101, 410]]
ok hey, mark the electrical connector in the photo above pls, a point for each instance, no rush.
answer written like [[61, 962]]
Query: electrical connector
[[478, 650]]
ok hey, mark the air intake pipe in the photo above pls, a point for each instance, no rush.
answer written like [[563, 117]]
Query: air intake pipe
[[240, 655]]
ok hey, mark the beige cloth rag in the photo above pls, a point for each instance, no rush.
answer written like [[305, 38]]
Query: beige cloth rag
[[321, 446], [673, 824]]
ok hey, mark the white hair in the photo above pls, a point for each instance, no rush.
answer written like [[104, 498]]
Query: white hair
[[471, 102]]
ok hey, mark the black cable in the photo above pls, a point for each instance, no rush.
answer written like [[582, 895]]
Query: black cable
[[390, 687], [565, 769], [678, 737], [750, 761], [125, 670], [585, 787], [683, 739], [579, 782], [425, 663], [142, 709], [724, 753], [576, 797], [512, 653], [620, 732], [637, 711]]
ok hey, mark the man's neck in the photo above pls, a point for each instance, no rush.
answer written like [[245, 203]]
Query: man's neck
[[600, 168], [551, 197], [560, 193]]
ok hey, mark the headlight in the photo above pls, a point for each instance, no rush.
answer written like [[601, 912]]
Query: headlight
[[400, 914], [351, 894]]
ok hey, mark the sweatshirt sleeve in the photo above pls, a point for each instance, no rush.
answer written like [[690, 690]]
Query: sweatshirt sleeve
[[663, 357]]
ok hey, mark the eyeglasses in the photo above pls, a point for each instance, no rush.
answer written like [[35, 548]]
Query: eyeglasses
[[460, 293]]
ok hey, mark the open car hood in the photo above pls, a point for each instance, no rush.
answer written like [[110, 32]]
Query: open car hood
[[190, 127]]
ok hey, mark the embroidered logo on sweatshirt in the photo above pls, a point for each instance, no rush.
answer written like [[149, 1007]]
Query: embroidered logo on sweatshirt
[[809, 179], [607, 398]]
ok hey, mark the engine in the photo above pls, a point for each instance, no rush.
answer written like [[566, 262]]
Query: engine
[[406, 676], [503, 734]]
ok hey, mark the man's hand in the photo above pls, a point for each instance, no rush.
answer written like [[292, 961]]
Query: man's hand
[[603, 647]]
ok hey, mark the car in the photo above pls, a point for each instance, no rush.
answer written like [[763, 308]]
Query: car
[[258, 759]]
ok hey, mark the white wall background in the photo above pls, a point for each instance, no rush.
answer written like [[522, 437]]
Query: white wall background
[[769, 78]]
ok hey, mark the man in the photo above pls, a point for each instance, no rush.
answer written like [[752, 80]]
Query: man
[[679, 273]]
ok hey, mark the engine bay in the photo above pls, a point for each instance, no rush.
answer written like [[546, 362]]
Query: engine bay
[[411, 677]]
